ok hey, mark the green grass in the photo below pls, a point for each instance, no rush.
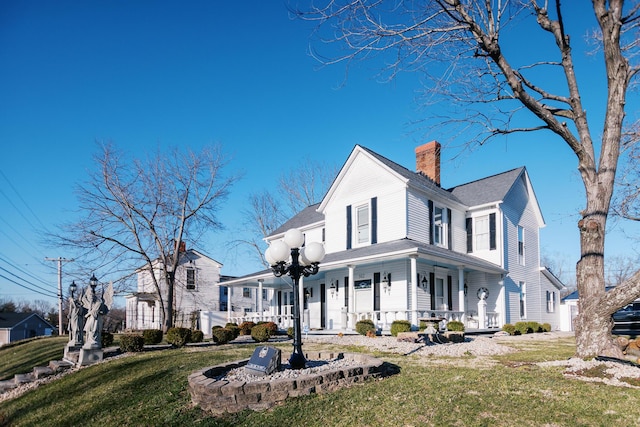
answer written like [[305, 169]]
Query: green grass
[[21, 357], [150, 389]]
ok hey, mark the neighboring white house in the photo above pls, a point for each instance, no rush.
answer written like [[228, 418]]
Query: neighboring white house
[[399, 246], [197, 289]]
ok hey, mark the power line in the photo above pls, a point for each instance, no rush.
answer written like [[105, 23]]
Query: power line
[[23, 202], [26, 287], [13, 265]]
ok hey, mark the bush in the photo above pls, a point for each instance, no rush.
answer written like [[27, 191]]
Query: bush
[[178, 336], [534, 326], [233, 327], [509, 328], [222, 335], [273, 328], [400, 326], [197, 336], [364, 326], [261, 333], [245, 327], [523, 328], [131, 343], [106, 339], [152, 336], [455, 325], [546, 327]]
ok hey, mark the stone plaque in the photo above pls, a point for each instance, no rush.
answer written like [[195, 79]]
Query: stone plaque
[[264, 361]]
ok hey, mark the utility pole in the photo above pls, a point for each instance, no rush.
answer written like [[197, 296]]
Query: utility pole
[[59, 261]]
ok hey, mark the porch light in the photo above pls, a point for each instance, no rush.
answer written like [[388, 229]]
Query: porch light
[[466, 289], [287, 256], [424, 283], [332, 288], [93, 282], [72, 288], [386, 281]]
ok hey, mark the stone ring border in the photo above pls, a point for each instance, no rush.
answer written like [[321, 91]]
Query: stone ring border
[[222, 396]]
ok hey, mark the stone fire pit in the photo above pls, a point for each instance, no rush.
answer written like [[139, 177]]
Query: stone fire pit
[[219, 396]]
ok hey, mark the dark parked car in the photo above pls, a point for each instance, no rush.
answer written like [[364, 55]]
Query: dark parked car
[[627, 320]]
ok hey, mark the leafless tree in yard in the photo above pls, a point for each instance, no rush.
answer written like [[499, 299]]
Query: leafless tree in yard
[[134, 213], [267, 210], [467, 49]]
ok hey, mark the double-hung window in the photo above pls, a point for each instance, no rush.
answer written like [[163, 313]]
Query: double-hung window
[[551, 302], [482, 233], [523, 300], [521, 245], [439, 225], [191, 278], [362, 219]]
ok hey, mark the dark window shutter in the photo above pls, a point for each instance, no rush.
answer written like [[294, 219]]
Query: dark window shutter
[[346, 292], [449, 293], [349, 227], [449, 230], [430, 207], [492, 231], [374, 220], [469, 235], [376, 291], [432, 289]]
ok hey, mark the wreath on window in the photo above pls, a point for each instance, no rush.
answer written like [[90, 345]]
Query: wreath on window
[[483, 293]]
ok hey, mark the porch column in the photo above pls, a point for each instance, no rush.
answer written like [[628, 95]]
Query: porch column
[[260, 281], [414, 289], [461, 299], [352, 298], [229, 291]]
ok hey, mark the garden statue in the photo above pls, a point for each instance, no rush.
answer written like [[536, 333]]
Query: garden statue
[[76, 321], [96, 307]]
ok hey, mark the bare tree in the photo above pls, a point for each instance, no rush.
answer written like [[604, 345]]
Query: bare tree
[[135, 213], [466, 48], [267, 211]]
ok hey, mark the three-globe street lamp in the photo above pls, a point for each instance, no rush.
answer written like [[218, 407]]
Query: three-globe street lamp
[[302, 261]]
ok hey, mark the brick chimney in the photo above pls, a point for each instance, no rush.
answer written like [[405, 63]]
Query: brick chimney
[[428, 161]]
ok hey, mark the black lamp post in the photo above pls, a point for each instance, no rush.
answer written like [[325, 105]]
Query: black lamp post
[[303, 262], [93, 282], [72, 288]]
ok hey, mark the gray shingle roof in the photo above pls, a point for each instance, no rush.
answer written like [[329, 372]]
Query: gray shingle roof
[[486, 190], [307, 216]]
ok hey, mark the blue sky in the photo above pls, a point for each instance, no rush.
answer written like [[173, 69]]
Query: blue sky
[[144, 74]]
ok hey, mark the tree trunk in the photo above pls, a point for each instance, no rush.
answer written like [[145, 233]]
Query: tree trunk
[[168, 312]]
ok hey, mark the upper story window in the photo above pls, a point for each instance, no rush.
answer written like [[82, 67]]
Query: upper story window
[[362, 225], [362, 219], [521, 245], [191, 278], [246, 292], [481, 233], [439, 225]]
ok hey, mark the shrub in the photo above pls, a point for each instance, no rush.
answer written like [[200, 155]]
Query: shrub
[[233, 327], [245, 327], [131, 343], [546, 327], [400, 326], [290, 331], [106, 339], [152, 336], [178, 336], [364, 326], [197, 336], [509, 328], [534, 326], [523, 328], [273, 328], [455, 325], [261, 333], [222, 335]]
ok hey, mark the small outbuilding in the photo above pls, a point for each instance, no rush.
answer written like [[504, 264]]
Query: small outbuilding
[[19, 326]]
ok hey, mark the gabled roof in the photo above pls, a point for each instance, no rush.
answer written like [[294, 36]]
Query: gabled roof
[[304, 218], [192, 251], [11, 320], [487, 190]]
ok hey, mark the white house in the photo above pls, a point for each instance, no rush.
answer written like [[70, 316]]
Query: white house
[[197, 289], [399, 246]]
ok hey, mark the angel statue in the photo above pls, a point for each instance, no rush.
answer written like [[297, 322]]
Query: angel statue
[[96, 307]]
